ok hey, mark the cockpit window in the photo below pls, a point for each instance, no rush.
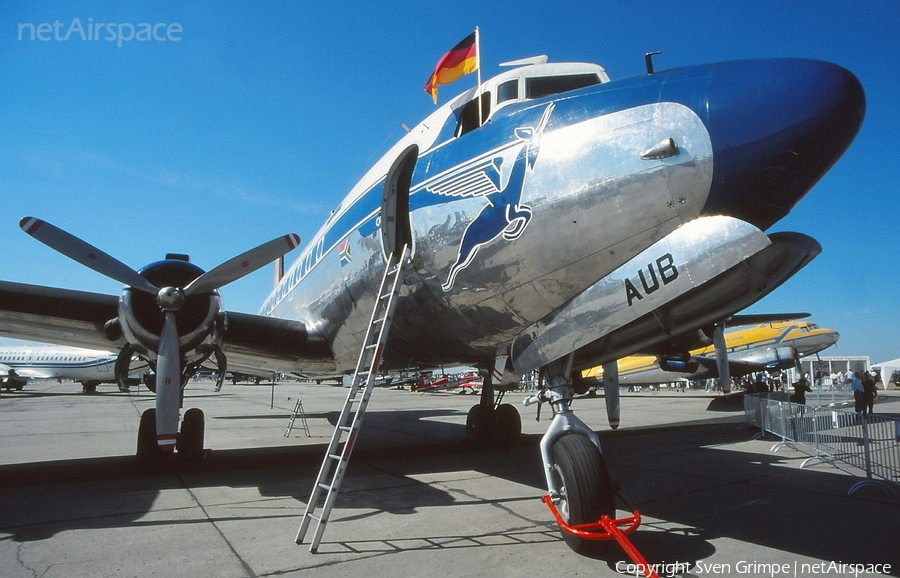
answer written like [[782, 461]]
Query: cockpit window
[[508, 90], [468, 116], [546, 85]]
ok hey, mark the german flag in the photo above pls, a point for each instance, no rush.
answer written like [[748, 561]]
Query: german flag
[[461, 60]]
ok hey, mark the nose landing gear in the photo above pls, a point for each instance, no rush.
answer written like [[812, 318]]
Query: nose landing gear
[[581, 495]]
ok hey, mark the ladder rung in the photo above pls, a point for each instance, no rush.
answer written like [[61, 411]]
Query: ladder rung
[[350, 422]]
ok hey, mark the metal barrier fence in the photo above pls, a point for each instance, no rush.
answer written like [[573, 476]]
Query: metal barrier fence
[[867, 442]]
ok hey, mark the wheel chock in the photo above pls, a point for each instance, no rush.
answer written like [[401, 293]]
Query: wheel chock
[[607, 528]]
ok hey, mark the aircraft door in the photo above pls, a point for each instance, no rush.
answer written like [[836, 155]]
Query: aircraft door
[[395, 227]]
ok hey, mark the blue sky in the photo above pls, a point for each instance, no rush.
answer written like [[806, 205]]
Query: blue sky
[[254, 120]]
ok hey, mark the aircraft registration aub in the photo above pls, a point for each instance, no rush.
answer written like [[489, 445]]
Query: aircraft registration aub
[[555, 219]]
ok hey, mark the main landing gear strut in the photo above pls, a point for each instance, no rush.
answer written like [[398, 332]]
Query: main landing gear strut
[[189, 444], [581, 495], [493, 422]]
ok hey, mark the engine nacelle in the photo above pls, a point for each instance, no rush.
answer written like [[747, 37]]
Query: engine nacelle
[[685, 259], [679, 364], [200, 321], [773, 357]]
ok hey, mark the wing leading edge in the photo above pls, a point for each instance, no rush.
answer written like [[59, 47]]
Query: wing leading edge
[[81, 319]]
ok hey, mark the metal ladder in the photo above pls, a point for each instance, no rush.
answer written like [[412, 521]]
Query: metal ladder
[[334, 466], [298, 410]]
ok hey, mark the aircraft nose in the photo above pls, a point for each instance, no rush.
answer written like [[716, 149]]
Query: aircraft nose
[[776, 128]]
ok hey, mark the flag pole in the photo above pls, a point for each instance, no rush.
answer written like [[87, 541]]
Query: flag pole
[[478, 70], [478, 54]]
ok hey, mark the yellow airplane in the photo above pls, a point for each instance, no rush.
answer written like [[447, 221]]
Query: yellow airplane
[[765, 346]]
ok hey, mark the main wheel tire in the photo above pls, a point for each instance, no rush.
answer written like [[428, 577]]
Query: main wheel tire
[[585, 487], [190, 439], [507, 425], [478, 424], [147, 446]]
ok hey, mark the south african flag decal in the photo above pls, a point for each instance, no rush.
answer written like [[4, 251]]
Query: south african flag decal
[[344, 251]]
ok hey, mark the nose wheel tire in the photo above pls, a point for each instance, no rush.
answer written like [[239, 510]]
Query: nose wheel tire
[[584, 486]]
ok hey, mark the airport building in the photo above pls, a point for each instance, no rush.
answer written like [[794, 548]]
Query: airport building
[[828, 366]]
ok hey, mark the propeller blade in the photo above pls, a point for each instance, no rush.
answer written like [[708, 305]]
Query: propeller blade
[[245, 263], [168, 385], [611, 392], [84, 253], [722, 357]]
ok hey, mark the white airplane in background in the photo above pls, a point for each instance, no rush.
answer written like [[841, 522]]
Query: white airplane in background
[[91, 367], [553, 219]]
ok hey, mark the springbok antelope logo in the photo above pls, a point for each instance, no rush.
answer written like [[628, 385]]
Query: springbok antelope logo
[[499, 177]]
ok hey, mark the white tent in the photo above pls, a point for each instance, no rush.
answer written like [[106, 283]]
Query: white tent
[[887, 370]]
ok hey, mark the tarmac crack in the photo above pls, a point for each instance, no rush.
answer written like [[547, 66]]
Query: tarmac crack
[[20, 561], [212, 522]]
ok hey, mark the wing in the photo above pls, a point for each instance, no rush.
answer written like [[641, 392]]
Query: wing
[[254, 343], [739, 368], [67, 317], [756, 319], [27, 373], [57, 316], [702, 337]]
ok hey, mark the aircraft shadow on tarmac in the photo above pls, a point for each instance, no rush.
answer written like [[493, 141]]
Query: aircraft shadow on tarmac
[[689, 491]]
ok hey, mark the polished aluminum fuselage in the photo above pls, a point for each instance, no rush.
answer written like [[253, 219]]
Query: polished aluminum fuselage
[[591, 195]]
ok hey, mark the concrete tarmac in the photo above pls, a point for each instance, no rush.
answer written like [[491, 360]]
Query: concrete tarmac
[[418, 500]]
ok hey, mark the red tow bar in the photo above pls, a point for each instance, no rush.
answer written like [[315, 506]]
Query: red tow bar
[[608, 529]]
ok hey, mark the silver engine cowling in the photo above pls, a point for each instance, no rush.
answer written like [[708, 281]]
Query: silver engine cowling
[[200, 321]]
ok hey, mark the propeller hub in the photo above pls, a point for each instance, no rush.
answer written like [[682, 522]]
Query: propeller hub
[[170, 299]]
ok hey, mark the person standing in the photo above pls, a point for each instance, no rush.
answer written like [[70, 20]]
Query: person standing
[[856, 387], [800, 389], [869, 392]]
